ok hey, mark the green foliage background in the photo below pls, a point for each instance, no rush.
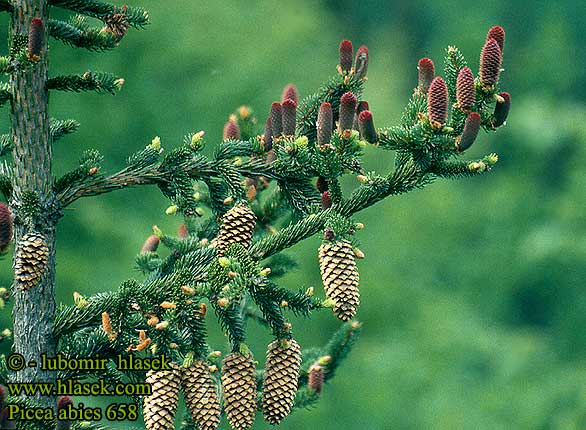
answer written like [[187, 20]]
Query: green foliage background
[[473, 301]]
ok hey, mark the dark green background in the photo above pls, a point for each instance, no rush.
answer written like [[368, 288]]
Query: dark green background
[[473, 303]]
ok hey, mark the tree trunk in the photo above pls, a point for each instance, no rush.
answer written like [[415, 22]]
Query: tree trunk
[[34, 310]]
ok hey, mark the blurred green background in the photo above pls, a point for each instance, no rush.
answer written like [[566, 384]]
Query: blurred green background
[[473, 303]]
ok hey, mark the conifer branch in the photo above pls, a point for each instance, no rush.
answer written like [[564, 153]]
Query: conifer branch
[[60, 128], [93, 39], [5, 144], [454, 169], [90, 81], [137, 17], [5, 94], [5, 6]]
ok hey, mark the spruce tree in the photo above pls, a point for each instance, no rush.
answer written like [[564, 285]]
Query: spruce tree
[[263, 191]]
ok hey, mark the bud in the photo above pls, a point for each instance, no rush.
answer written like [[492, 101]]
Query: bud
[[326, 200], [358, 253], [6, 225], [182, 231], [36, 37], [265, 272], [426, 71], [228, 200], [290, 92], [289, 110], [325, 119], [497, 33], [347, 109], [361, 62], [276, 116], [223, 302], [168, 305], [321, 184], [107, 326], [151, 244], [162, 325], [197, 140], [490, 63], [437, 102], [268, 135], [366, 127], [501, 110], [470, 132], [346, 53], [172, 210], [224, 262], [153, 321], [465, 91], [231, 131], [187, 290]]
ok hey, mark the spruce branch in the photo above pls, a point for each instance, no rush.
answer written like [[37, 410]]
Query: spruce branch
[[453, 169], [5, 94], [90, 81], [137, 16], [93, 39], [5, 6], [59, 128], [5, 144]]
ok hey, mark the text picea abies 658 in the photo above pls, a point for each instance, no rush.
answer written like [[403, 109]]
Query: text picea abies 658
[[280, 379], [237, 227], [239, 390], [201, 396], [340, 277], [160, 407], [31, 260]]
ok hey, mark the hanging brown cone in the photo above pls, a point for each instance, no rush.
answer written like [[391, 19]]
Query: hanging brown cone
[[160, 407], [497, 33], [6, 225], [325, 121], [346, 53], [36, 36], [280, 379], [237, 227], [117, 24], [201, 396], [289, 110], [315, 377], [437, 102], [290, 92], [340, 277], [501, 110], [31, 260], [239, 389], [347, 111], [490, 63], [470, 132], [426, 74], [465, 91], [150, 244]]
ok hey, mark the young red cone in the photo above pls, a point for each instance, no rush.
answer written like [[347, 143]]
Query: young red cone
[[276, 115], [346, 53], [289, 111], [501, 110], [347, 111], [321, 184], [326, 200], [366, 127], [465, 91], [62, 405], [182, 231], [497, 33], [490, 63], [426, 71], [437, 102], [290, 92], [470, 132], [35, 38], [5, 227], [6, 424], [231, 131], [151, 244], [361, 62], [361, 107], [316, 378], [325, 120]]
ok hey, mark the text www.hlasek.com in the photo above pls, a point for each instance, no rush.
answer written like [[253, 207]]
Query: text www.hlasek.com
[[69, 387]]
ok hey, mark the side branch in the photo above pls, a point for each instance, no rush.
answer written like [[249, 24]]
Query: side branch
[[137, 17]]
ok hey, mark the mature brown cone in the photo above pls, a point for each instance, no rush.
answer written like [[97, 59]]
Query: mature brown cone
[[160, 407], [5, 227], [340, 277], [237, 227], [31, 260], [280, 380], [117, 25], [201, 396], [239, 388]]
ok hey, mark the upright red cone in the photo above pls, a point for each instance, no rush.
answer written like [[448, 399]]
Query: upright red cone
[[437, 102], [361, 62], [289, 111], [497, 33], [346, 54], [426, 73], [465, 91], [347, 111], [290, 92], [325, 120], [36, 37], [490, 63], [276, 115], [5, 227]]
